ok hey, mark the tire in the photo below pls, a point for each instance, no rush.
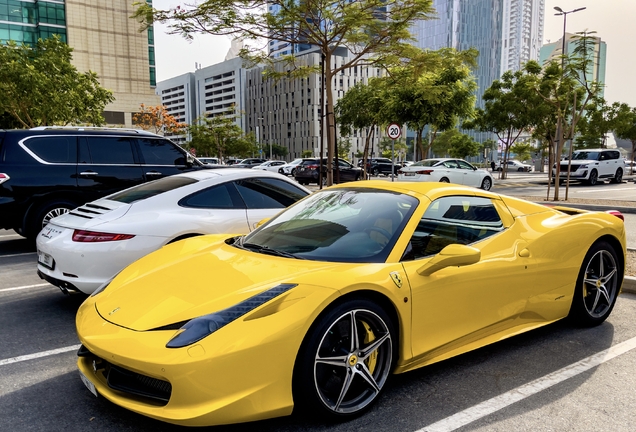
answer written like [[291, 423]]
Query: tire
[[280, 171], [593, 178], [520, 170], [375, 172], [45, 213], [618, 177], [444, 180], [336, 376], [597, 286], [293, 172], [486, 183]]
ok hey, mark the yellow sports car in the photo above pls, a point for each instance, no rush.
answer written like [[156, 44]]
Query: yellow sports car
[[317, 308]]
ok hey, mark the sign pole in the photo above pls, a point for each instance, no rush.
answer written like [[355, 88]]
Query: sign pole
[[393, 131]]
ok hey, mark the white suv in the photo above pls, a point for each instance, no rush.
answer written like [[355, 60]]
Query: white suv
[[592, 165]]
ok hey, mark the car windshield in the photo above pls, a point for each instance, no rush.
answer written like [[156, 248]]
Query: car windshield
[[341, 225], [427, 162], [150, 189], [585, 155]]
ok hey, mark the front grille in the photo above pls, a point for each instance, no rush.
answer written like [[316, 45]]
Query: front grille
[[564, 168], [127, 381]]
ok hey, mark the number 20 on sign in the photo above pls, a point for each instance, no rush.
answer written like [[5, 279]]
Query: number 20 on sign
[[394, 131]]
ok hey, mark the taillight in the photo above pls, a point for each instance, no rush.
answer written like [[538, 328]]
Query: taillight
[[424, 172], [95, 237], [4, 177], [617, 214], [313, 167]]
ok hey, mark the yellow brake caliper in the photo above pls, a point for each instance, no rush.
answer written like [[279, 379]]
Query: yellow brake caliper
[[368, 338]]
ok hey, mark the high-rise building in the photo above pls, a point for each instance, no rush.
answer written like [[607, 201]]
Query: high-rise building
[[553, 51], [507, 33], [104, 39]]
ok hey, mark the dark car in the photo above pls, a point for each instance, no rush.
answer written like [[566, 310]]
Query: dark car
[[249, 163], [47, 171], [377, 166], [307, 171]]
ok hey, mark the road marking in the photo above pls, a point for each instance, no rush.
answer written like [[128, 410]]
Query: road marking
[[515, 395], [24, 287], [20, 254], [618, 189], [38, 355]]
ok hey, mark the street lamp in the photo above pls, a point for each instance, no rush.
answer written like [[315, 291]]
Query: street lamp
[[565, 15]]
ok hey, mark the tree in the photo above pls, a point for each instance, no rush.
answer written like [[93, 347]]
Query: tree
[[398, 145], [463, 146], [436, 96], [374, 32], [40, 87], [220, 136], [625, 127], [567, 89], [157, 119], [595, 124], [510, 108]]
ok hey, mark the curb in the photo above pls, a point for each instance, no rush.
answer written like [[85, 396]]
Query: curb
[[629, 285]]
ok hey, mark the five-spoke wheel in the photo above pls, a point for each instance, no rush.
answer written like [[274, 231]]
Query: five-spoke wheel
[[597, 285], [345, 361]]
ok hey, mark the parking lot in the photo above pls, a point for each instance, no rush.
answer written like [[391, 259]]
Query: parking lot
[[555, 378]]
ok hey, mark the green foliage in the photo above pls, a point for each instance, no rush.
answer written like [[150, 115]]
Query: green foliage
[[278, 151], [344, 148], [598, 120], [625, 126], [399, 148], [443, 143], [220, 136], [523, 150], [306, 154], [40, 87], [377, 32], [463, 146]]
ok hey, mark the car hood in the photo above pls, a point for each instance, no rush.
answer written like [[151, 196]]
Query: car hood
[[92, 214], [195, 277]]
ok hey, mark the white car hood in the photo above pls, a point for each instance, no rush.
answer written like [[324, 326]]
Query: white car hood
[[92, 214]]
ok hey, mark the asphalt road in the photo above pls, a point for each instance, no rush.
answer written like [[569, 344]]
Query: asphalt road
[[555, 378]]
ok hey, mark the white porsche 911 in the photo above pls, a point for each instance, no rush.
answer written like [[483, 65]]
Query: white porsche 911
[[446, 170], [86, 247]]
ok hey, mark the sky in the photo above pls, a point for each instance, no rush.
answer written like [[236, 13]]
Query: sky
[[610, 19]]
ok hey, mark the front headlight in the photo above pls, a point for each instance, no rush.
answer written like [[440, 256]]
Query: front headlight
[[198, 328]]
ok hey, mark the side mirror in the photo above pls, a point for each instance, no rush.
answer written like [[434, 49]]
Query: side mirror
[[451, 255], [261, 222]]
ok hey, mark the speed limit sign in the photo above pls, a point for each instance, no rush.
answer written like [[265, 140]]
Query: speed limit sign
[[394, 131]]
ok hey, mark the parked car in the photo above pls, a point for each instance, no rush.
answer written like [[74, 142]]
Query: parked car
[[86, 247], [514, 165], [290, 168], [232, 161], [209, 160], [272, 165], [446, 170], [249, 163], [47, 171], [592, 165], [307, 171], [377, 166], [315, 310]]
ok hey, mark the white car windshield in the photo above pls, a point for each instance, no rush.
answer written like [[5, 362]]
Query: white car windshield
[[585, 155]]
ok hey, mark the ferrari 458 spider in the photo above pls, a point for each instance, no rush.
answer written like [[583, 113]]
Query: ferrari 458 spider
[[314, 310]]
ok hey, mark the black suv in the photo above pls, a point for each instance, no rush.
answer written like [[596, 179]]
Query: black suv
[[377, 166], [46, 171]]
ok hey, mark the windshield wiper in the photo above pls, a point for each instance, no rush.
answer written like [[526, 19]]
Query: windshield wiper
[[265, 250]]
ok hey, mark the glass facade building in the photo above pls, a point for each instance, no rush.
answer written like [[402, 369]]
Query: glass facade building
[[28, 21]]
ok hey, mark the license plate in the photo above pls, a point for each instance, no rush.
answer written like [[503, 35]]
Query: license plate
[[89, 385], [409, 174], [46, 260]]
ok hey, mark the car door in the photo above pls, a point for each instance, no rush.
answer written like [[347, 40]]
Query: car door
[[452, 172], [106, 164], [471, 177], [459, 305], [161, 158]]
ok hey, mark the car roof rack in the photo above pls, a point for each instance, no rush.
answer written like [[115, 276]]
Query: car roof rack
[[95, 128]]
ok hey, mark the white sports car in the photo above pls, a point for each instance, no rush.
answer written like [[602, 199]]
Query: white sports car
[[272, 165], [82, 249], [446, 170]]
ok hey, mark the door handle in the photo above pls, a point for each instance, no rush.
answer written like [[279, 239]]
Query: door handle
[[153, 173], [89, 173]]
